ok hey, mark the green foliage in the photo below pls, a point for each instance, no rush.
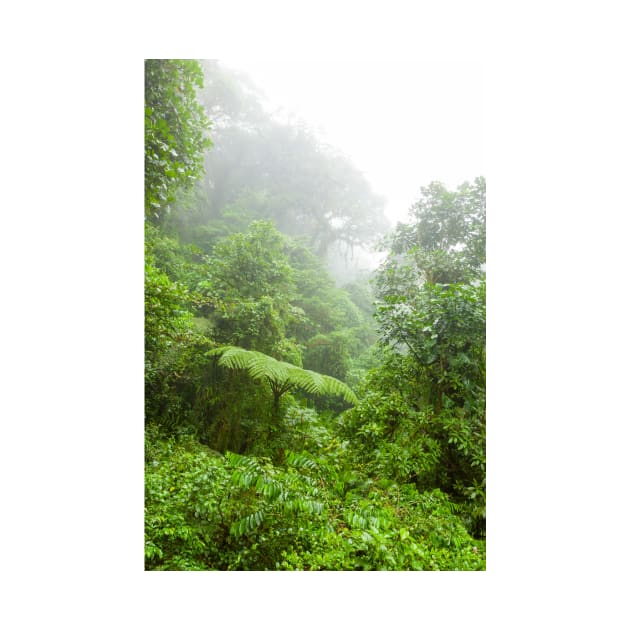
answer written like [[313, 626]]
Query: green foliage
[[448, 222], [403, 438], [182, 512], [444, 242], [165, 315], [253, 264], [183, 263], [175, 130], [325, 307], [259, 455], [423, 417], [443, 327], [328, 354], [249, 287], [396, 433], [205, 511], [175, 343], [431, 292], [281, 376]]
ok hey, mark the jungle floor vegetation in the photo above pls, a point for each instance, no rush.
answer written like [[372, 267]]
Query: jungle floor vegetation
[[296, 421]]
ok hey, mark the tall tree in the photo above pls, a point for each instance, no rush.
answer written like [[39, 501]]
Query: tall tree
[[432, 290], [445, 238], [175, 140], [250, 286], [175, 131]]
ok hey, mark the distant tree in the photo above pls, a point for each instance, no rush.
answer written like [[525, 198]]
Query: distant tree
[[265, 167], [328, 354], [249, 287], [445, 239], [431, 290], [252, 264], [326, 307]]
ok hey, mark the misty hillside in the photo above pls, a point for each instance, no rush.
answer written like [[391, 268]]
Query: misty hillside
[[314, 376]]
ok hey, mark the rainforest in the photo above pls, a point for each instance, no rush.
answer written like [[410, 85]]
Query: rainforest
[[314, 375]]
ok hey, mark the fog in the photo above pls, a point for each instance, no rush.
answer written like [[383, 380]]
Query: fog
[[333, 154], [404, 122]]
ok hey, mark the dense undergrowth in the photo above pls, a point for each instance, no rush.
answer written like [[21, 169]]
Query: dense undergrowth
[[212, 511]]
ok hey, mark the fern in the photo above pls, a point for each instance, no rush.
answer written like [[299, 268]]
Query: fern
[[281, 376]]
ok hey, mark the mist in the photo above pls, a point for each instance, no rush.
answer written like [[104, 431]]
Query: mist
[[268, 163]]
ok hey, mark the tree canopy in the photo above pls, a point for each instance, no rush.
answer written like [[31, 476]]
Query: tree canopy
[[175, 131], [265, 167]]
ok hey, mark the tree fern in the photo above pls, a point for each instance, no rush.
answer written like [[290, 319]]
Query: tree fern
[[281, 376]]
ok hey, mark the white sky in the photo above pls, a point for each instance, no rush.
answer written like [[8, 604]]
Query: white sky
[[404, 120]]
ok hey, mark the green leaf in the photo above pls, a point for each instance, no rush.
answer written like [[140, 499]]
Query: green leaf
[[280, 374]]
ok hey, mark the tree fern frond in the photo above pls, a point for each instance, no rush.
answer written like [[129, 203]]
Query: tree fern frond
[[333, 386], [311, 382], [282, 376]]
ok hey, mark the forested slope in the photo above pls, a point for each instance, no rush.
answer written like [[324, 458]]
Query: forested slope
[[291, 423]]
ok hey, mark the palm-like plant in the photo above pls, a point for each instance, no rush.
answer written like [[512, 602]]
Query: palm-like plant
[[281, 376]]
